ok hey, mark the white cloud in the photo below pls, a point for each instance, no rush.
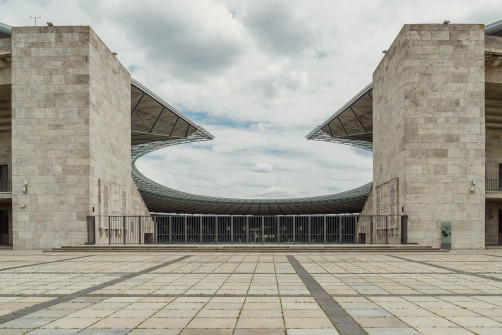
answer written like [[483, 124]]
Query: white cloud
[[263, 168], [281, 26], [277, 192]]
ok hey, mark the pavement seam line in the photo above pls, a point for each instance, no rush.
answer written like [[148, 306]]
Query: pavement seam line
[[479, 275], [342, 321], [50, 262], [35, 308]]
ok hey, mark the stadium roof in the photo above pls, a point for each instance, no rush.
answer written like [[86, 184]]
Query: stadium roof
[[155, 124], [352, 124], [5, 30]]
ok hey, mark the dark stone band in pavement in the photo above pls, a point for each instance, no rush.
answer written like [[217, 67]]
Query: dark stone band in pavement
[[343, 322], [17, 314]]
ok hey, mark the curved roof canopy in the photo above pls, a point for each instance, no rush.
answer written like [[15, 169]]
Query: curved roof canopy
[[156, 124], [154, 120], [352, 124], [5, 30]]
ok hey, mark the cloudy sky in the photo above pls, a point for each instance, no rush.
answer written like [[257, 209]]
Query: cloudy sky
[[259, 75]]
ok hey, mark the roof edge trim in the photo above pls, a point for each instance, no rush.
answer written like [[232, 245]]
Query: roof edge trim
[[162, 102], [5, 29], [352, 101], [493, 27]]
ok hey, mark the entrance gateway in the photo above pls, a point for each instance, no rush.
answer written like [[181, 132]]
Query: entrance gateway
[[200, 229]]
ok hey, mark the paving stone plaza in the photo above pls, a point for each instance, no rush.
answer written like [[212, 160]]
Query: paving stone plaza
[[73, 123], [458, 292]]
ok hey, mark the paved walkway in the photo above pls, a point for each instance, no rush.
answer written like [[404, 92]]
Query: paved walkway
[[319, 294]]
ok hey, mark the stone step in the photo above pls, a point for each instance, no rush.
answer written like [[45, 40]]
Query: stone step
[[245, 248]]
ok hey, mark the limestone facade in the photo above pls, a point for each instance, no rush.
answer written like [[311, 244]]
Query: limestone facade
[[429, 131], [70, 135]]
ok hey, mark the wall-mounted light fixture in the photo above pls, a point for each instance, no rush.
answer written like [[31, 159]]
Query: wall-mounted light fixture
[[25, 186], [473, 186]]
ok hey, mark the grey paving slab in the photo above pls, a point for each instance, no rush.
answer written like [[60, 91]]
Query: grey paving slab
[[499, 279], [392, 331], [53, 332], [26, 323], [313, 332], [47, 304], [43, 263], [104, 331]]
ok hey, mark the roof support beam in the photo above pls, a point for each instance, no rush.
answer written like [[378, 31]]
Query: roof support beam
[[341, 124], [137, 104], [175, 123], [330, 131], [364, 128], [158, 117]]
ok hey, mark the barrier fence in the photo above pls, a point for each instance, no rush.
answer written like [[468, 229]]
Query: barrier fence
[[5, 185], [178, 229], [493, 185]]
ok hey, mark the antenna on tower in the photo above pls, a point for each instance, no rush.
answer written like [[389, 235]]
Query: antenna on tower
[[35, 18]]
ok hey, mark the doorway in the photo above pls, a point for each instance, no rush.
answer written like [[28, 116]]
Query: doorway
[[499, 231], [4, 227], [4, 178]]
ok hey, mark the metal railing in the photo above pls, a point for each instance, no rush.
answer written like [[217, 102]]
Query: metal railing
[[203, 229], [5, 185], [493, 185]]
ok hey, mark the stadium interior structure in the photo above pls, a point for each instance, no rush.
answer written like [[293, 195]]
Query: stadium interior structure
[[156, 124], [71, 115]]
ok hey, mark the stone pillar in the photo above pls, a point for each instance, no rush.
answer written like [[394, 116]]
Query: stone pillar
[[429, 132], [71, 130]]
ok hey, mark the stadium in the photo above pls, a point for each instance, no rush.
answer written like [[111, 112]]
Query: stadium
[[66, 130]]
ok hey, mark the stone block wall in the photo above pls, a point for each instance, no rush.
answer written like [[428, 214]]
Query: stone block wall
[[70, 133], [112, 190], [50, 135], [429, 130]]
